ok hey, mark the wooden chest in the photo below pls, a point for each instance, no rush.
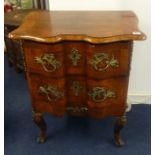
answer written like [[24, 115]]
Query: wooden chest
[[12, 20], [78, 63]]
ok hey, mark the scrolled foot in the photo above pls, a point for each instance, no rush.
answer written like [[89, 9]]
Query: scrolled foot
[[120, 123], [39, 121], [119, 142], [40, 139]]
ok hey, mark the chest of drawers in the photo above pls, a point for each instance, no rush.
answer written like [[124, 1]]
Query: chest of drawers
[[12, 20], [78, 63]]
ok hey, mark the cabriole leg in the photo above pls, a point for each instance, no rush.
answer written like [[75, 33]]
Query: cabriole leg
[[39, 121], [120, 123]]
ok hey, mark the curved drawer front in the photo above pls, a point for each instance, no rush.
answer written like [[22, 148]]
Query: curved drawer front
[[77, 58], [105, 93], [76, 95], [76, 91], [78, 77], [99, 113], [108, 60], [45, 59], [48, 95]]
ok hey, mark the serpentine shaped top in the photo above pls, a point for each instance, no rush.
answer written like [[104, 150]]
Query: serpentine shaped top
[[89, 26]]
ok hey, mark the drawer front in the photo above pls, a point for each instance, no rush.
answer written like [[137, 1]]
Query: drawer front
[[107, 97], [108, 60], [76, 90], [99, 113], [47, 59], [107, 93], [75, 58], [48, 95], [76, 95], [77, 77]]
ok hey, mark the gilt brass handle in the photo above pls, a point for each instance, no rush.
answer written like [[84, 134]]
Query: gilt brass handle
[[99, 58], [100, 94], [48, 62], [52, 93]]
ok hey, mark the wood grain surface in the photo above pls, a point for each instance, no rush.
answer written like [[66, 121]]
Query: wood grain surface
[[90, 26]]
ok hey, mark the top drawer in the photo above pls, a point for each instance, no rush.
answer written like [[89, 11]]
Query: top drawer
[[78, 58], [108, 60], [44, 58]]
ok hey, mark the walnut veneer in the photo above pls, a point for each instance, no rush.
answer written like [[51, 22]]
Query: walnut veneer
[[78, 63]]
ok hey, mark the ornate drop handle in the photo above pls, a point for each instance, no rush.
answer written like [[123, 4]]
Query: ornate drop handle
[[52, 93], [100, 58], [99, 94], [48, 60]]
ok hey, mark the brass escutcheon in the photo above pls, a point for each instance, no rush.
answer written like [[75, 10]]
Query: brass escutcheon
[[75, 56], [76, 87]]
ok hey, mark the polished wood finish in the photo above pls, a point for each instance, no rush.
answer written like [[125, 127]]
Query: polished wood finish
[[90, 26], [40, 49], [40, 101], [118, 85], [115, 79], [78, 63], [121, 51], [81, 104], [118, 50]]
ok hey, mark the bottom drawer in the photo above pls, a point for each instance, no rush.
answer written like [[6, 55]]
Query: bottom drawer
[[107, 97], [98, 99], [99, 113], [48, 95]]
